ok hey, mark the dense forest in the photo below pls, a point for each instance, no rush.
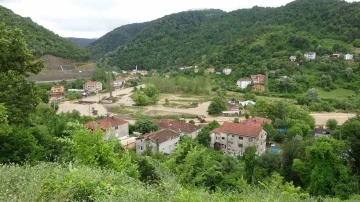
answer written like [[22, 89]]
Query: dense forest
[[242, 37], [82, 42], [42, 41], [112, 40]]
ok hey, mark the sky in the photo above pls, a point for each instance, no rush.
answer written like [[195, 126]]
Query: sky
[[94, 18]]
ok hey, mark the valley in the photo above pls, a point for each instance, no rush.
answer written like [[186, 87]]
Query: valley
[[251, 104]]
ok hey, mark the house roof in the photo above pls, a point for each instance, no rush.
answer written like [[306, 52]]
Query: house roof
[[120, 79], [258, 87], [241, 129], [258, 77], [58, 87], [232, 105], [244, 79], [91, 83], [256, 121], [216, 131], [177, 126], [159, 136], [105, 123], [322, 131], [310, 53], [132, 76]]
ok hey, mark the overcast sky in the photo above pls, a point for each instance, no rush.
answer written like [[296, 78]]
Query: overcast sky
[[94, 18]]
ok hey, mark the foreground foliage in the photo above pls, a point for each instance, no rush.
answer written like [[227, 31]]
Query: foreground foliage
[[68, 182]]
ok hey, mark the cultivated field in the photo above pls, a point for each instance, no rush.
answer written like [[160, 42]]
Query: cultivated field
[[57, 68]]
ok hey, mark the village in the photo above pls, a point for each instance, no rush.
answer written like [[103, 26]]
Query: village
[[235, 134]]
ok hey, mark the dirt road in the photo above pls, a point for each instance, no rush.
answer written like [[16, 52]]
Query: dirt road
[[321, 118], [86, 109]]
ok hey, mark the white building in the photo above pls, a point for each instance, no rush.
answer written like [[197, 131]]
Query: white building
[[227, 71], [247, 102], [310, 55], [113, 127], [119, 82], [234, 138], [243, 83], [292, 58], [93, 86], [160, 141], [349, 57]]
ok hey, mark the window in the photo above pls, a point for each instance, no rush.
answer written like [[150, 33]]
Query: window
[[240, 145], [240, 138], [223, 138], [232, 135], [141, 148], [117, 127]]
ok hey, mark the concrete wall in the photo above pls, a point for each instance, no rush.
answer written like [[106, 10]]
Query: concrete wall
[[120, 131], [93, 88], [169, 146], [166, 147], [236, 145], [243, 84], [141, 146], [192, 135]]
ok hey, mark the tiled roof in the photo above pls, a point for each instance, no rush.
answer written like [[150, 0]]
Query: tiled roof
[[256, 121], [58, 88], [177, 126], [120, 79], [91, 83], [245, 79], [159, 136], [241, 129], [216, 131], [105, 123]]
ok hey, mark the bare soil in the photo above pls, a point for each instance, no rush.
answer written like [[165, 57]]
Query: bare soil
[[321, 118]]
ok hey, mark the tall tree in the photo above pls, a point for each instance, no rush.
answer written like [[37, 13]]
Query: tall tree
[[216, 106], [16, 63], [327, 167], [250, 163]]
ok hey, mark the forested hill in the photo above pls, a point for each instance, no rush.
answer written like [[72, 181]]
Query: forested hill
[[243, 36], [119, 36], [42, 41], [82, 42]]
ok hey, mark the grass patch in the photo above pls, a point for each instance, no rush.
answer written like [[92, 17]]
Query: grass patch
[[125, 110], [338, 93]]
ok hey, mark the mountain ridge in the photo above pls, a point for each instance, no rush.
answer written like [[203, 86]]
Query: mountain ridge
[[40, 40], [197, 37], [82, 42]]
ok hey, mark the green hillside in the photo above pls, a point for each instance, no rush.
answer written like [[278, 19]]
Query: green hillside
[[40, 40], [119, 36], [245, 36], [82, 42]]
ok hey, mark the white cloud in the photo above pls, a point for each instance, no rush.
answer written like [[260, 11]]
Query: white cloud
[[94, 18]]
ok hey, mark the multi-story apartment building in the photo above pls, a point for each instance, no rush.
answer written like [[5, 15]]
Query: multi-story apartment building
[[234, 138]]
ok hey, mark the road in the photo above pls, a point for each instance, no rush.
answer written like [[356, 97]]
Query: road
[[55, 81]]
